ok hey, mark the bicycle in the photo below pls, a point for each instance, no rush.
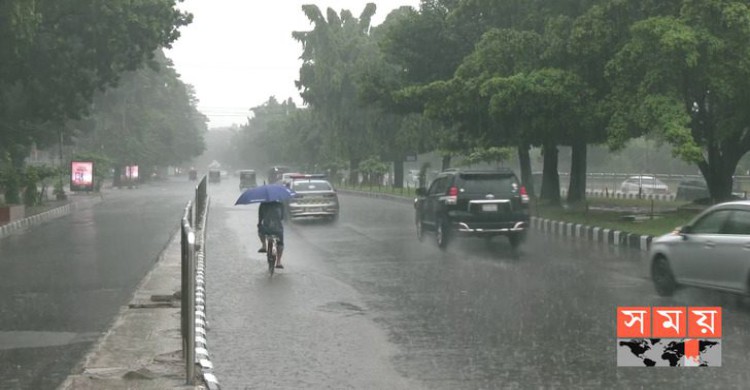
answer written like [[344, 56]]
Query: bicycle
[[272, 254]]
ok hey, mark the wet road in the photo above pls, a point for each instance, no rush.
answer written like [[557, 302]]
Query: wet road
[[63, 282], [363, 305]]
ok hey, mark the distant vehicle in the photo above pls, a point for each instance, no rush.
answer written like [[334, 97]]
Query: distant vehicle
[[286, 178], [645, 185], [711, 252], [696, 190], [247, 179], [412, 179], [691, 189], [274, 174], [480, 203], [214, 176], [315, 197]]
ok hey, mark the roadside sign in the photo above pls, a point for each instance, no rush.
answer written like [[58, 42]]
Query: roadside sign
[[82, 176]]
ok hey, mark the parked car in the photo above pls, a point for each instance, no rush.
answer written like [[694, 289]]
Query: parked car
[[645, 185], [693, 189], [712, 251], [473, 203], [247, 179], [315, 197]]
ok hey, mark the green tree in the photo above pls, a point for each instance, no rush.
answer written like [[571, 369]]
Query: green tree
[[684, 75], [328, 79], [57, 53], [150, 120]]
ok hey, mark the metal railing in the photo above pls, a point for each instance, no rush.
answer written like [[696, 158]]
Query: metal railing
[[192, 241]]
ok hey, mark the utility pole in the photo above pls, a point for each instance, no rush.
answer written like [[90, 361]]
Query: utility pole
[[60, 193]]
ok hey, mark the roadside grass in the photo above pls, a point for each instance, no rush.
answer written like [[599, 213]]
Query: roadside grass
[[628, 215], [643, 224], [406, 191]]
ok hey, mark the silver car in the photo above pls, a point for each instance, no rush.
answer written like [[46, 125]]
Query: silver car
[[646, 185], [712, 251], [314, 198]]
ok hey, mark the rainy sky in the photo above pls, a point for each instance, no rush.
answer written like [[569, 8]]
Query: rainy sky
[[238, 53]]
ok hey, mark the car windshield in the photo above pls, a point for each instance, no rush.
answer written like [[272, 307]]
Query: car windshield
[[486, 183], [303, 185]]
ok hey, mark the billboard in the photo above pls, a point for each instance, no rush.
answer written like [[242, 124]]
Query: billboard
[[131, 172], [82, 176]]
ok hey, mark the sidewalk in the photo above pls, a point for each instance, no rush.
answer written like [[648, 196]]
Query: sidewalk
[[143, 348]]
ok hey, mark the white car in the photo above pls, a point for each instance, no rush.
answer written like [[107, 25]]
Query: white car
[[645, 185], [712, 251], [314, 197]]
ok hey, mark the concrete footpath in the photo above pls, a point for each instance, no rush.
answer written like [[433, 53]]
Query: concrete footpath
[[143, 347]]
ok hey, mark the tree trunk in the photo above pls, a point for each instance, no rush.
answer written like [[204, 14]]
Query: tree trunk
[[525, 162], [577, 187], [718, 172], [116, 178], [550, 176], [398, 173], [446, 162]]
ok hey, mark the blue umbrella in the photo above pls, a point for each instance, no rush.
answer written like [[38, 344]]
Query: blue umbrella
[[265, 193]]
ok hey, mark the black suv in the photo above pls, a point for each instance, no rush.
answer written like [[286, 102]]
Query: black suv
[[473, 203]]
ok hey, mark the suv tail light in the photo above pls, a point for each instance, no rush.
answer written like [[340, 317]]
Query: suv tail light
[[452, 195], [524, 195]]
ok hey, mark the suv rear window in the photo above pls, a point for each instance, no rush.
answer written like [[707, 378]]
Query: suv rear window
[[486, 183]]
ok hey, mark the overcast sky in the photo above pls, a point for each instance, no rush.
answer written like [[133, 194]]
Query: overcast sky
[[238, 53]]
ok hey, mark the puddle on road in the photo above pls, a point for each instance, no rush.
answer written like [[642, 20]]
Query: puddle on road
[[341, 307]]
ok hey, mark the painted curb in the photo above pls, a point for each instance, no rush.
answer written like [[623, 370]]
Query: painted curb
[[34, 220], [610, 237], [202, 356]]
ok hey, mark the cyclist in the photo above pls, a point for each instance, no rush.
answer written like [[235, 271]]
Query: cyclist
[[270, 215]]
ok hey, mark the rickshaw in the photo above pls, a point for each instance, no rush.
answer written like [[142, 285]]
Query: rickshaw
[[247, 179], [214, 176]]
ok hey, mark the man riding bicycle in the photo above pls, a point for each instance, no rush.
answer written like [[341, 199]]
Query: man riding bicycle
[[270, 216]]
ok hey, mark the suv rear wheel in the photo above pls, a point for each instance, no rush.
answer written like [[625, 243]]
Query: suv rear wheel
[[442, 233], [515, 240]]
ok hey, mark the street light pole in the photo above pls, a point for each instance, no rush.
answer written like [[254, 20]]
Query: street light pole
[[60, 195]]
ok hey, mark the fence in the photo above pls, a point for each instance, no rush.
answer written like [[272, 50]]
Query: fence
[[193, 302], [611, 182]]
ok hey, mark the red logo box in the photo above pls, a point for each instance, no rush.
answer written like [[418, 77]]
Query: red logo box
[[669, 322], [704, 322], [633, 322]]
